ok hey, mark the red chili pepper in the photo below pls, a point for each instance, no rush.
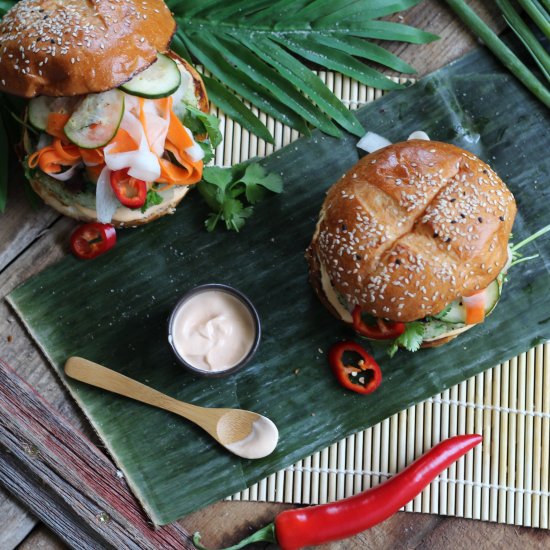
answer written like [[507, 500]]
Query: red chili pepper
[[384, 330], [294, 529], [362, 377], [130, 191], [92, 239]]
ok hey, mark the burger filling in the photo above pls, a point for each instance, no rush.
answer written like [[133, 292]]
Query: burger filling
[[125, 147], [457, 317]]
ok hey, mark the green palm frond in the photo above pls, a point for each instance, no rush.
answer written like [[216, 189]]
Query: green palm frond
[[5, 5], [256, 49]]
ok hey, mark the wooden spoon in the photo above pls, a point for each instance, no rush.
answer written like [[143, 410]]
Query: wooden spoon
[[244, 433]]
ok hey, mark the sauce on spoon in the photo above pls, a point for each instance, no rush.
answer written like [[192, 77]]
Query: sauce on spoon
[[261, 441]]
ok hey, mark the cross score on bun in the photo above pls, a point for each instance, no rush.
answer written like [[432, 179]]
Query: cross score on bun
[[413, 242], [110, 106]]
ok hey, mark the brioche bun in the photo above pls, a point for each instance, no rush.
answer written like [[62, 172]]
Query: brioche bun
[[54, 48], [77, 201], [409, 229]]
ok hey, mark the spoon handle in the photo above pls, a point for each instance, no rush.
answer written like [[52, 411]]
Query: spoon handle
[[110, 380]]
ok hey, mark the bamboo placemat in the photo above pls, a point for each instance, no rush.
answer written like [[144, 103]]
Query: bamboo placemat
[[506, 480]]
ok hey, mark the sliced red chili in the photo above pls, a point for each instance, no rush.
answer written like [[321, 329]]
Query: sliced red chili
[[354, 368], [92, 239], [130, 191], [383, 330]]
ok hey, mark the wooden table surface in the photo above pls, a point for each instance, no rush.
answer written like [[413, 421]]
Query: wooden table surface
[[32, 239]]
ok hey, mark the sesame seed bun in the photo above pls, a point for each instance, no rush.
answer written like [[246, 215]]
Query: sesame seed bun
[[57, 48], [411, 228]]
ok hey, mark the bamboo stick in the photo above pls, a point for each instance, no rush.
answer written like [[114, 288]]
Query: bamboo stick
[[445, 423], [486, 493], [545, 442], [500, 448], [529, 436]]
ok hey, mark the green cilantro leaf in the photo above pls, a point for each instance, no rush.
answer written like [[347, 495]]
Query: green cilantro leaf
[[203, 123], [152, 199], [254, 193], [235, 214], [517, 257], [442, 314], [221, 177], [255, 178], [411, 339], [231, 192], [208, 151]]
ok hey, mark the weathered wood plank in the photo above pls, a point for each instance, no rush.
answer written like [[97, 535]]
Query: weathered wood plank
[[65, 480], [15, 521], [42, 539], [29, 241], [21, 223]]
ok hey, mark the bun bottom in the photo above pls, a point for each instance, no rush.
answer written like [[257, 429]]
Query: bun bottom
[[315, 279], [54, 193]]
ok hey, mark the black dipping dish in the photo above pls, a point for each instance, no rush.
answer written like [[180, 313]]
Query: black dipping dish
[[244, 300]]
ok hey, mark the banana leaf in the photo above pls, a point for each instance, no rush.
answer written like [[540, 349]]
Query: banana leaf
[[114, 309]]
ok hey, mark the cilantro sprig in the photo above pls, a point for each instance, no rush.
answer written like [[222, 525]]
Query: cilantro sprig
[[517, 257], [411, 339], [232, 192], [152, 199], [201, 123]]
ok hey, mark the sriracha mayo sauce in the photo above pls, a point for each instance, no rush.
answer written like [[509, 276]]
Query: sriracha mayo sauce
[[213, 330]]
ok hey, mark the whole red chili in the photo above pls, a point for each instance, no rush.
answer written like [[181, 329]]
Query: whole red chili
[[294, 529], [383, 330], [92, 239], [361, 376]]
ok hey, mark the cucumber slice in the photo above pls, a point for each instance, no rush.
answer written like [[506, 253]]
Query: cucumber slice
[[185, 94], [41, 107], [160, 79], [96, 120], [456, 312], [435, 329]]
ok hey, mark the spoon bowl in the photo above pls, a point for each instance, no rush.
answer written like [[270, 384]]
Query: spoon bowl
[[245, 433]]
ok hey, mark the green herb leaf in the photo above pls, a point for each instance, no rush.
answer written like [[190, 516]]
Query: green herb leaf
[[209, 153], [517, 257], [256, 174], [200, 122], [235, 214], [152, 199], [222, 187], [217, 175], [442, 314], [411, 339]]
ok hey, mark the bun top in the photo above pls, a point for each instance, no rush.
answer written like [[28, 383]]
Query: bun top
[[60, 48], [412, 227]]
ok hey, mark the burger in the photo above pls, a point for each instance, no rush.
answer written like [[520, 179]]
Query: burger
[[411, 245], [117, 125]]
